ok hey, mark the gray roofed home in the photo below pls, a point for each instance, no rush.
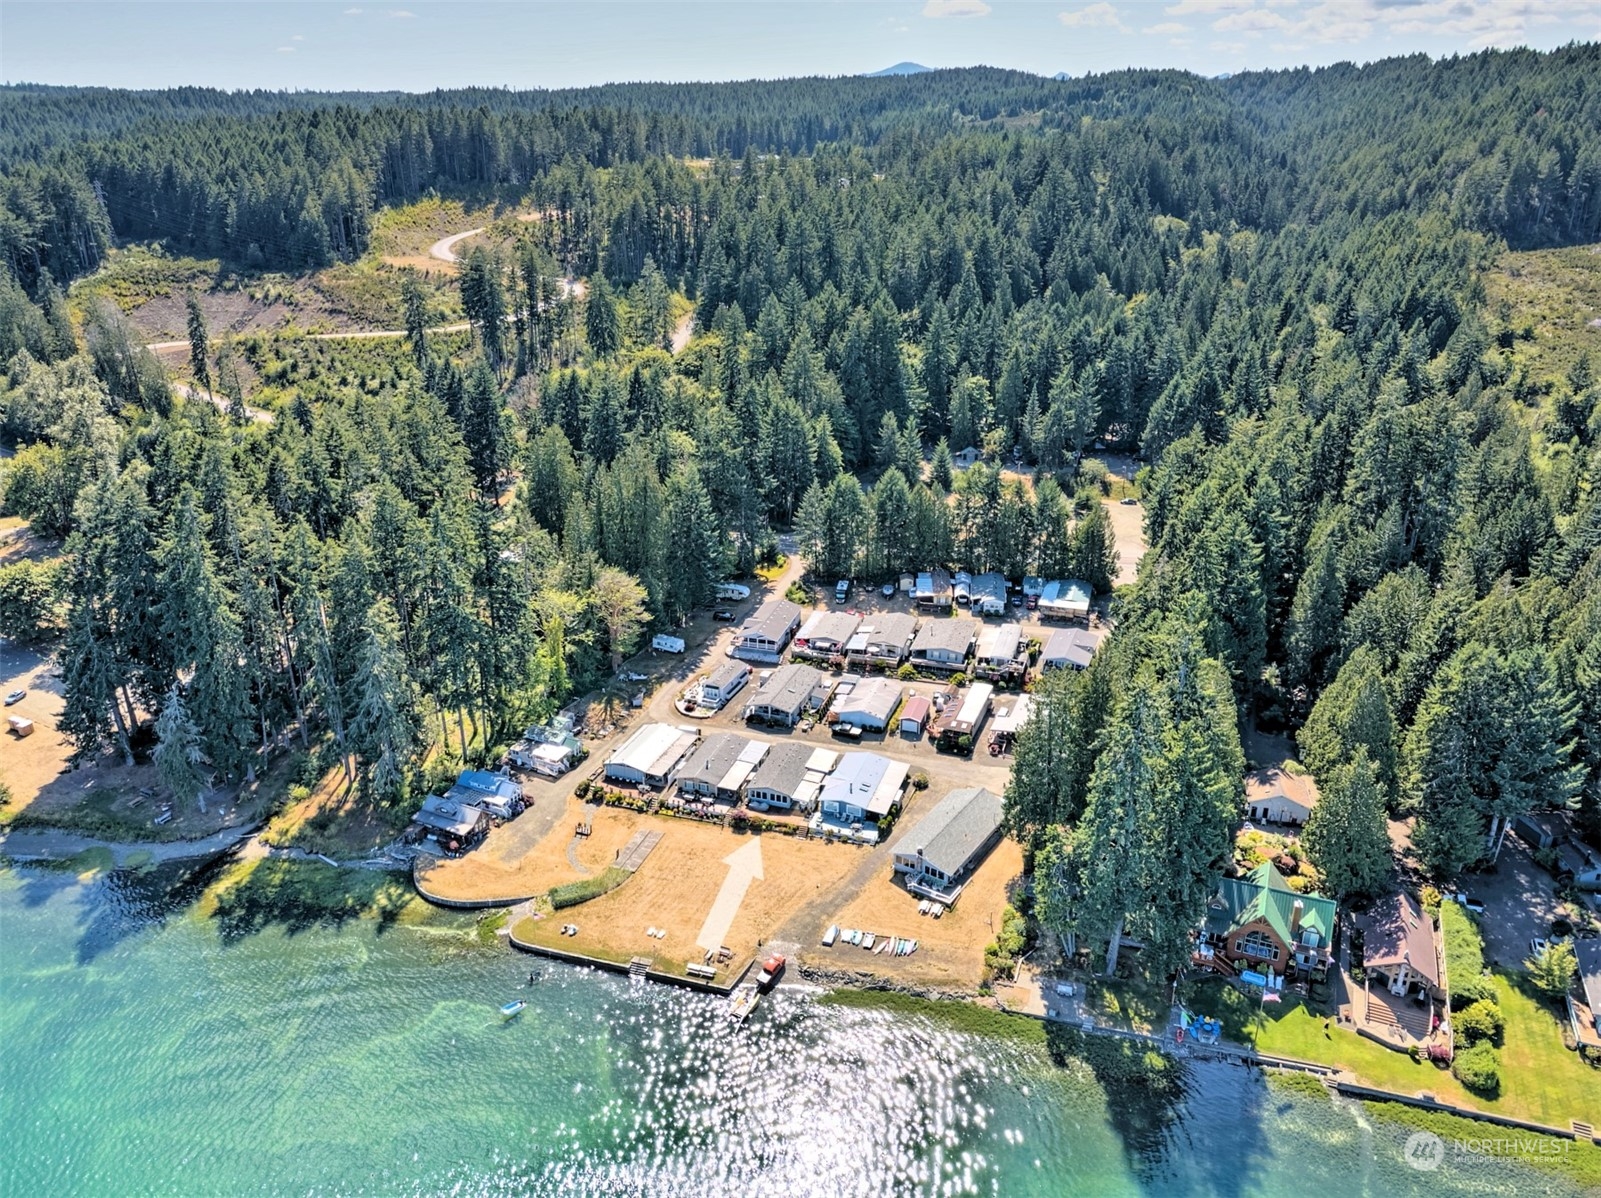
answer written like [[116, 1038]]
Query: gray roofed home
[[790, 775], [951, 840], [764, 634], [786, 694], [1398, 941], [720, 765], [825, 633], [723, 683], [1069, 648], [883, 638], [452, 823], [944, 642], [868, 703]]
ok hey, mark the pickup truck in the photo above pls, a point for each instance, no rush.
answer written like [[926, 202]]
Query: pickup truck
[[846, 731]]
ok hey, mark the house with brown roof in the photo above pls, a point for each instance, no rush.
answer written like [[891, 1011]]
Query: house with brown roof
[[1276, 796], [1403, 993]]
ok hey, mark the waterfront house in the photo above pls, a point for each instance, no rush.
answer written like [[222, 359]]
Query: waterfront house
[[862, 789], [1256, 922], [786, 694], [866, 703], [1275, 796], [763, 636], [1002, 652], [1065, 599], [456, 826], [651, 756], [882, 640], [722, 684], [1403, 970], [495, 793], [949, 842], [790, 776], [944, 644], [825, 634], [1584, 998], [719, 766]]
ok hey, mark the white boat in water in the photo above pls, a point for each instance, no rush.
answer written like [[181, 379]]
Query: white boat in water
[[514, 1007], [742, 1002]]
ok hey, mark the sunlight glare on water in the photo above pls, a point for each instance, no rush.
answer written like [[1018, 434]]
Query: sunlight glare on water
[[145, 1053]]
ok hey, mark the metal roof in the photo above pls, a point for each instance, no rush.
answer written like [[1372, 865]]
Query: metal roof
[[788, 688], [770, 622]]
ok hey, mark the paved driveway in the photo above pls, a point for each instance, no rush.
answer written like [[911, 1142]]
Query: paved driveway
[[1519, 904]]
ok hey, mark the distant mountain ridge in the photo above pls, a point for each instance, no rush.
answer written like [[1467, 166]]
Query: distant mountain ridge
[[900, 68]]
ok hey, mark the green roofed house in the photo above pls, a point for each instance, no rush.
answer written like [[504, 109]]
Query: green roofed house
[[1256, 922]]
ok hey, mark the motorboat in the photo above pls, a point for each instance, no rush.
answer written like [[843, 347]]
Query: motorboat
[[513, 1008]]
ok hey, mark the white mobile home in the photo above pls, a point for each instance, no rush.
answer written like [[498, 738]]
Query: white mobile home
[[651, 756]]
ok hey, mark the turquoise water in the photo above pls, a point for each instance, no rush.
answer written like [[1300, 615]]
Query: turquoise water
[[141, 1053]]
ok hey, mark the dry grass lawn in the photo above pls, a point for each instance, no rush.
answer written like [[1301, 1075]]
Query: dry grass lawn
[[484, 874], [950, 950], [675, 888]]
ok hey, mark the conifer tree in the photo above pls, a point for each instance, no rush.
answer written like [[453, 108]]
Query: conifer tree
[[178, 756]]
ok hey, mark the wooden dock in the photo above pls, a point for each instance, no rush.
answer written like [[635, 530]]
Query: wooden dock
[[632, 855]]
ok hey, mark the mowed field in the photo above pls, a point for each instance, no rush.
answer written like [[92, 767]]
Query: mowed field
[[676, 887], [950, 950]]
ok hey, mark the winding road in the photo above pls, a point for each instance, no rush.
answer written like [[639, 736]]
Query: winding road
[[444, 250]]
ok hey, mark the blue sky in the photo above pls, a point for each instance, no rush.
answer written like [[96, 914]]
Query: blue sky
[[415, 45]]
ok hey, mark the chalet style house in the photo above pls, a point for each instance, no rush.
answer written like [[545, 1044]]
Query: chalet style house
[[1256, 923]]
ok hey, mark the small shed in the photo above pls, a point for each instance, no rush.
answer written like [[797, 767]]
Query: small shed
[[20, 725], [914, 716]]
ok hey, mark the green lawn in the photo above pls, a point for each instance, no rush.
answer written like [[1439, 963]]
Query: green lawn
[[1540, 1079]]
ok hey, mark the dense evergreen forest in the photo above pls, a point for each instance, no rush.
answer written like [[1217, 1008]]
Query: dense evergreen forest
[[1366, 526]]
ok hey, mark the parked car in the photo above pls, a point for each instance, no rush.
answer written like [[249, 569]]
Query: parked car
[[15, 697], [887, 590], [1537, 946], [846, 731], [1128, 501], [633, 676], [842, 590], [723, 616], [1475, 905]]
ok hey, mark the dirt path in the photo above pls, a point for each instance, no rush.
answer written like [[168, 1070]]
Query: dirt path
[[444, 248], [50, 845], [682, 331]]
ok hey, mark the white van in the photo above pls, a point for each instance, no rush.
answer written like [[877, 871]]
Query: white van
[[732, 591], [663, 643]]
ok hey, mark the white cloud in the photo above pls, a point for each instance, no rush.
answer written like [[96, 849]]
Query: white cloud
[[352, 12], [1101, 15], [1166, 27], [935, 9], [1187, 7], [299, 37], [1229, 47], [401, 14], [1252, 20], [286, 49]]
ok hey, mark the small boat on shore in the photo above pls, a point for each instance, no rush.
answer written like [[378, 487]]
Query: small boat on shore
[[512, 1009], [742, 1002]]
